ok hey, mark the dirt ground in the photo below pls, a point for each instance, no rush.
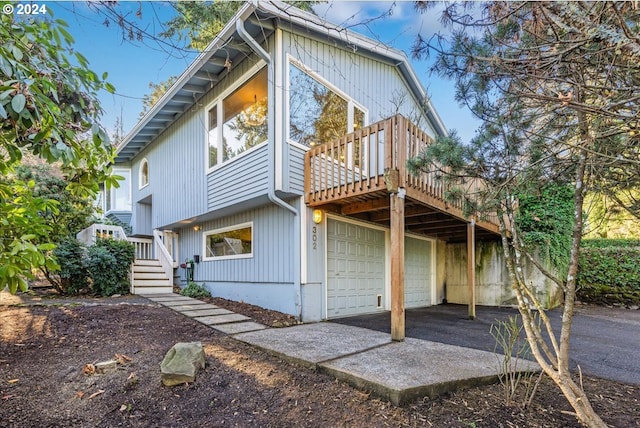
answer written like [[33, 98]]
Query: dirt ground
[[44, 349]]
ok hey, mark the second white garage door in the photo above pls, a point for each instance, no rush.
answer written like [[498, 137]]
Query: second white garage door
[[417, 272], [355, 269]]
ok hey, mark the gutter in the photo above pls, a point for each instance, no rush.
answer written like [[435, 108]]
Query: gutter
[[271, 155]]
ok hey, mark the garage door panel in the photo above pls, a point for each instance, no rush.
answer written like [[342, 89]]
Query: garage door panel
[[355, 271], [418, 270]]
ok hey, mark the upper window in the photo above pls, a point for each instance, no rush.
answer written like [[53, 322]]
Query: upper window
[[230, 242], [119, 198], [317, 113], [243, 119], [143, 178]]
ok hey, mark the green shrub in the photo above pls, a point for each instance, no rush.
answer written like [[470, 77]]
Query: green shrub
[[109, 264], [102, 265], [609, 274], [73, 275], [195, 291], [607, 243]]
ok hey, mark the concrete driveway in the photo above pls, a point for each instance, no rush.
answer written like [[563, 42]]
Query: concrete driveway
[[605, 342]]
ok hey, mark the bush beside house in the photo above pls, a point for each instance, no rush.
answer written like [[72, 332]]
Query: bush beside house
[[103, 268], [609, 272]]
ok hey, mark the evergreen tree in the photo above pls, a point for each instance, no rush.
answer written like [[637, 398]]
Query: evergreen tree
[[557, 86]]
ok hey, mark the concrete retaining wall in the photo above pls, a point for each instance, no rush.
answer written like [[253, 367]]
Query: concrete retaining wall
[[492, 280]]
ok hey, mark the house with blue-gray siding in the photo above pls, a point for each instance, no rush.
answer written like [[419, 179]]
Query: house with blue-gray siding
[[273, 171]]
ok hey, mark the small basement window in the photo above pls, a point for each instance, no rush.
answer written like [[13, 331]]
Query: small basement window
[[230, 242]]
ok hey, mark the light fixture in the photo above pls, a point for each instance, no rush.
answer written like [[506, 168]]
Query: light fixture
[[317, 216], [255, 114], [196, 228]]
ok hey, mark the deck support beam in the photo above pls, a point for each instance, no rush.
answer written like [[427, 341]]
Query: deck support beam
[[397, 265], [471, 267]]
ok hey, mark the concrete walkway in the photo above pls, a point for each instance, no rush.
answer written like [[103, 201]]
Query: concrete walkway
[[366, 359]]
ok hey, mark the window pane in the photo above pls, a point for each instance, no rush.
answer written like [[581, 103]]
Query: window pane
[[229, 243], [358, 118], [121, 196], [144, 174], [245, 116], [213, 136], [316, 114]]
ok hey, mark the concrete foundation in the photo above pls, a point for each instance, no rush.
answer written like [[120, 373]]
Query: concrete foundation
[[493, 287]]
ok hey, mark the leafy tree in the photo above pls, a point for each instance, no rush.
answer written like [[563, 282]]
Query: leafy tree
[[199, 22], [608, 219], [157, 91], [72, 212], [49, 108], [557, 86]]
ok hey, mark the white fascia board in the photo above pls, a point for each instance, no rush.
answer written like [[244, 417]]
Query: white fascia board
[[314, 23], [245, 11]]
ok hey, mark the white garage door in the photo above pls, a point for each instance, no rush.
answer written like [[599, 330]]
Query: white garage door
[[355, 269], [417, 273]]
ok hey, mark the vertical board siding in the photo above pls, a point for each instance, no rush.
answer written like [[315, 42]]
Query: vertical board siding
[[179, 185], [274, 248], [177, 180]]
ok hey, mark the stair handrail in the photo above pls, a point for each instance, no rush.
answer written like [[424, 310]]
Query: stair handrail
[[163, 254]]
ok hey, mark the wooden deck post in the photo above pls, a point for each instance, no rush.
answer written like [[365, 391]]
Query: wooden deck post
[[471, 267], [397, 265]]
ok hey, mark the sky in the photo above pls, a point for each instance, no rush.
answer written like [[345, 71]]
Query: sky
[[132, 65]]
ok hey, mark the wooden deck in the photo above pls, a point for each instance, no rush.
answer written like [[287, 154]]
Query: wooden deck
[[355, 175]]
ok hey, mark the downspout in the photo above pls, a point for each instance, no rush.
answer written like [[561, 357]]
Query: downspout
[[271, 153]]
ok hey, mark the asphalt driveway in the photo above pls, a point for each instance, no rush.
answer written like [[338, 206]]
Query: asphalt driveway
[[605, 341]]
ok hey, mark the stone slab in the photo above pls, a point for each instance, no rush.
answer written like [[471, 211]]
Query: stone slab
[[221, 319], [205, 312], [174, 298], [239, 327], [192, 307], [172, 303], [402, 371], [310, 344]]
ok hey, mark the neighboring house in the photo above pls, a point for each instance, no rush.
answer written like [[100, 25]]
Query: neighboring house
[[233, 160]]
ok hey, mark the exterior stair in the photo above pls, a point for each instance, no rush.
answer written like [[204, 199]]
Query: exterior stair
[[150, 278]]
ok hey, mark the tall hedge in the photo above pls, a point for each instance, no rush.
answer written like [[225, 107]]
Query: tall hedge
[[609, 272]]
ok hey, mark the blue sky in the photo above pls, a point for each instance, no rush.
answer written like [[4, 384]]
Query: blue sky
[[133, 65]]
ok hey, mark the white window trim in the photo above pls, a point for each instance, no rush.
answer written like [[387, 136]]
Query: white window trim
[[218, 102], [351, 102], [116, 171], [140, 184], [205, 234]]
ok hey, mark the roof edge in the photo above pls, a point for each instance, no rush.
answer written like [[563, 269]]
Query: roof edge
[[228, 30]]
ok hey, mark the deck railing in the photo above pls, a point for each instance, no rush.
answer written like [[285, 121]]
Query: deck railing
[[374, 158], [360, 161]]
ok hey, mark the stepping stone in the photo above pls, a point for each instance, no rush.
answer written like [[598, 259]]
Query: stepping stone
[[193, 307], [239, 327], [154, 296], [205, 312], [222, 319], [171, 298], [183, 302]]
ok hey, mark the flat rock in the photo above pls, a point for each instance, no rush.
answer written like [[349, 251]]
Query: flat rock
[[106, 366], [181, 363]]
